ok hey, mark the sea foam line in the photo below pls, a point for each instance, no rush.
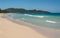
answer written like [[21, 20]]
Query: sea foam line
[[35, 16], [49, 21]]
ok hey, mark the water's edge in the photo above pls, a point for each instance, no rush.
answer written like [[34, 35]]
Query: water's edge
[[53, 33]]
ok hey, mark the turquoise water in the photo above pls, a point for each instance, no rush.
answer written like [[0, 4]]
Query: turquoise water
[[46, 20]]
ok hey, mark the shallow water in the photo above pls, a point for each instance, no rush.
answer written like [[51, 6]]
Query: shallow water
[[46, 20]]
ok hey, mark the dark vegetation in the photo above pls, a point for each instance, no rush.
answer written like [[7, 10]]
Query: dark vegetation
[[21, 10]]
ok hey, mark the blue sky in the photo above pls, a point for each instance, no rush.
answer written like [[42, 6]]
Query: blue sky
[[48, 5]]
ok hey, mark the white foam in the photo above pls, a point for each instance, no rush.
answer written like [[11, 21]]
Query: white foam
[[50, 21], [35, 16], [30, 15], [40, 16], [26, 14]]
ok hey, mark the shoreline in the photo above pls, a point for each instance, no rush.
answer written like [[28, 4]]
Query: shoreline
[[17, 21], [49, 32], [28, 24], [39, 29], [9, 29]]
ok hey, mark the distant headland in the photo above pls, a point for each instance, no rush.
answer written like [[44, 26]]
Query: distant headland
[[21, 10]]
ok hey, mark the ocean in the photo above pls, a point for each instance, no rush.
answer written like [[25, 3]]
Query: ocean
[[45, 20]]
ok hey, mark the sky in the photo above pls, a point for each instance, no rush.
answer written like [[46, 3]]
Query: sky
[[46, 5]]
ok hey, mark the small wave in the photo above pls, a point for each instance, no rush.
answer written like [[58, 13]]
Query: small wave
[[40, 16], [31, 15], [26, 14], [50, 21], [35, 16]]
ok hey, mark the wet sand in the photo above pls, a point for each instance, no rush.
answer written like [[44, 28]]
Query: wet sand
[[9, 29]]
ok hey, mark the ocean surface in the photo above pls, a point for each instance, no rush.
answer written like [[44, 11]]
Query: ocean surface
[[46, 20]]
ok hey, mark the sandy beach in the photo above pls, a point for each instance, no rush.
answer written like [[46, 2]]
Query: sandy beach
[[10, 29]]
